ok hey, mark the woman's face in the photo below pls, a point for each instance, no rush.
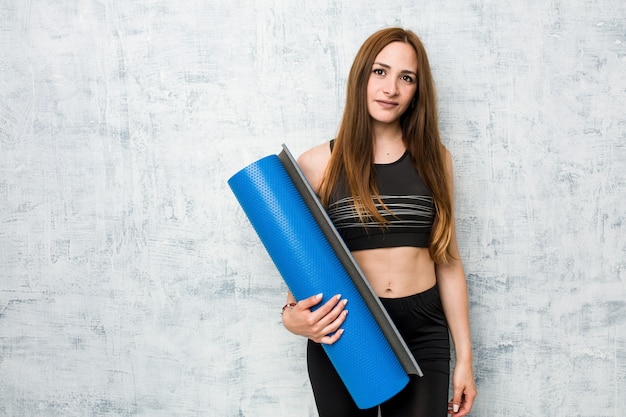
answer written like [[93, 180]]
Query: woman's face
[[392, 82]]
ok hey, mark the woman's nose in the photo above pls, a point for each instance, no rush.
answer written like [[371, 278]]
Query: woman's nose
[[391, 88]]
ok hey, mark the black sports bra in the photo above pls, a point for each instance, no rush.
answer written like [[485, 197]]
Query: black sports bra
[[410, 203]]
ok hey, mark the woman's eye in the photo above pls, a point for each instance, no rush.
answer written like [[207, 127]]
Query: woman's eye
[[379, 71], [407, 78]]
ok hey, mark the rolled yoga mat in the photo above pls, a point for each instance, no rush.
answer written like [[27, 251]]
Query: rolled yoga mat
[[370, 357]]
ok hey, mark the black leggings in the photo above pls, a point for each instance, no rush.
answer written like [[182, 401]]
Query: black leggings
[[421, 322]]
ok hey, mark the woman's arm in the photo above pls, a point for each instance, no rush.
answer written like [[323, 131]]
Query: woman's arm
[[326, 320], [454, 297]]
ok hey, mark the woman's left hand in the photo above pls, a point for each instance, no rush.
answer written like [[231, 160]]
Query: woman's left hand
[[464, 391]]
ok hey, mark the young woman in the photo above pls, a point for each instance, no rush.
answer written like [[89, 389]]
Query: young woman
[[386, 182]]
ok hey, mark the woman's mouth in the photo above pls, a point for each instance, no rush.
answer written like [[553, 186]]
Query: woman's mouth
[[387, 104]]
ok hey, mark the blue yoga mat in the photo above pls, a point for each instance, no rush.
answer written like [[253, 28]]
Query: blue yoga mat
[[370, 357]]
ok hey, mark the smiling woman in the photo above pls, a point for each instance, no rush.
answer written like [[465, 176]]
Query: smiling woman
[[386, 182]]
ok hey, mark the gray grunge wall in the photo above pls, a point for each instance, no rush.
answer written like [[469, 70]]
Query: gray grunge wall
[[131, 282]]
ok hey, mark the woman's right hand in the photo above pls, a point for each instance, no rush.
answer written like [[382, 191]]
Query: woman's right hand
[[322, 325]]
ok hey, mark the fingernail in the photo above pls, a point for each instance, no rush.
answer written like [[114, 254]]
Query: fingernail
[[338, 296], [455, 408], [320, 295], [345, 302]]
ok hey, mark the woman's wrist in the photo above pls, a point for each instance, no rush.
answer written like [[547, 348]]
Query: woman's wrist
[[287, 306], [463, 353], [464, 360]]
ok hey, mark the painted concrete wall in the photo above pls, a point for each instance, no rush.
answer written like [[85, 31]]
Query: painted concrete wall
[[131, 283]]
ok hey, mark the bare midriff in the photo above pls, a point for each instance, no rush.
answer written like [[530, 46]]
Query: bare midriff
[[397, 272]]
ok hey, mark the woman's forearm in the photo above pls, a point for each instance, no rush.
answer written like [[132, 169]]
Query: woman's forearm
[[454, 298]]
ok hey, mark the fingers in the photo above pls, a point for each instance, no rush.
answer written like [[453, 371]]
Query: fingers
[[457, 399], [327, 320], [321, 325], [468, 402], [329, 340], [332, 308], [461, 410], [461, 404], [453, 408], [326, 313], [307, 303], [333, 331]]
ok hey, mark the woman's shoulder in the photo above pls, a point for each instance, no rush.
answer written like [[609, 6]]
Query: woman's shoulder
[[316, 154], [313, 163]]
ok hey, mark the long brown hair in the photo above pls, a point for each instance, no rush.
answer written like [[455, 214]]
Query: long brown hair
[[353, 153]]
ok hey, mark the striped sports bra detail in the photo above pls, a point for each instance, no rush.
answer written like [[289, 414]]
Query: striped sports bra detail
[[410, 211]]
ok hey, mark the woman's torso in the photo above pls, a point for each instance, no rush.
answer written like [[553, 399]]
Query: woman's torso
[[395, 260]]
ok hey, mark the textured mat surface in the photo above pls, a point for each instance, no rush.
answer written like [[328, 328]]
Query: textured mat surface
[[369, 357]]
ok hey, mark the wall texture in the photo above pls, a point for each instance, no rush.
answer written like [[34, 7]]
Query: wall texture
[[131, 283]]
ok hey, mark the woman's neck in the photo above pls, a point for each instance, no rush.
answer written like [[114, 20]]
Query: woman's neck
[[388, 143], [386, 134]]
